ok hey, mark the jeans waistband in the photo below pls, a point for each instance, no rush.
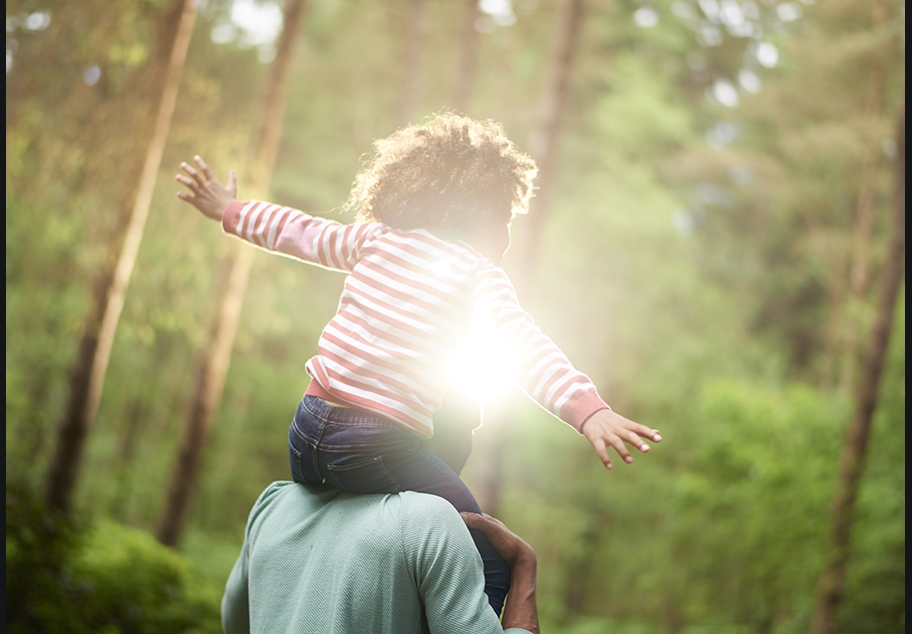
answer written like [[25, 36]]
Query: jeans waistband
[[346, 415]]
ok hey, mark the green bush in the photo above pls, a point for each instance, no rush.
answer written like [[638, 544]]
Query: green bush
[[63, 576], [40, 595]]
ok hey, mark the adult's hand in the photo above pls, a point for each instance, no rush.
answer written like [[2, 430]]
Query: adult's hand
[[208, 194], [607, 428], [510, 546], [521, 610]]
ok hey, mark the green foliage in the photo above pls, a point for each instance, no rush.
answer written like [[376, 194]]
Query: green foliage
[[875, 592], [104, 578], [39, 594], [694, 264], [754, 538]]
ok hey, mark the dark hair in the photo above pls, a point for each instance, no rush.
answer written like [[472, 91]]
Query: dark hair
[[451, 173]]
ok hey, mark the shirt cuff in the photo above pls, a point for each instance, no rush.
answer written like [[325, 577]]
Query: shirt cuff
[[232, 216], [580, 408]]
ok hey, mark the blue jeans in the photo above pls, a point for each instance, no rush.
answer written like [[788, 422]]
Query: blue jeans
[[360, 452]]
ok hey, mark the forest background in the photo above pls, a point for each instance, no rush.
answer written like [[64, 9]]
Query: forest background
[[709, 244]]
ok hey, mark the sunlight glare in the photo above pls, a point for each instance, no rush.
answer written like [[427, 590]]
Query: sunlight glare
[[483, 366]]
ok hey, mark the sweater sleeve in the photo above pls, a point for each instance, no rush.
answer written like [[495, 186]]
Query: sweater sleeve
[[446, 567], [284, 230], [236, 600], [542, 370]]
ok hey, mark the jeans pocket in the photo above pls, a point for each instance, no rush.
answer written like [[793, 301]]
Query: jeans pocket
[[360, 474], [301, 456]]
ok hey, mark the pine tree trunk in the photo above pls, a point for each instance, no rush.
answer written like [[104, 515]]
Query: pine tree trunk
[[841, 346], [864, 229], [412, 63], [544, 142], [216, 357], [88, 372], [831, 585], [465, 66], [543, 148]]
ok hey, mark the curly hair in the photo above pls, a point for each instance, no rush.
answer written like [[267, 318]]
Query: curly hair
[[452, 173]]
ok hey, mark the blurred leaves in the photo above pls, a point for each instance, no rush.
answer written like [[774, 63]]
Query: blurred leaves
[[101, 578], [693, 266]]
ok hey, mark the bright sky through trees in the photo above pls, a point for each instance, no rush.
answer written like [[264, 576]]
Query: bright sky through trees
[[252, 24]]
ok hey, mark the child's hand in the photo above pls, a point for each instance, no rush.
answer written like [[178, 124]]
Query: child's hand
[[606, 428], [209, 196]]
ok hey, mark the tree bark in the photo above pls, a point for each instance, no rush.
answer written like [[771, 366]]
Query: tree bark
[[412, 62], [88, 373], [216, 357], [464, 81], [544, 141], [831, 585], [543, 148], [841, 345], [864, 227]]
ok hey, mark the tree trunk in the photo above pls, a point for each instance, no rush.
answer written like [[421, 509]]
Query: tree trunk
[[543, 148], [465, 66], [544, 141], [841, 347], [138, 413], [88, 373], [412, 62], [864, 229], [491, 448], [216, 357], [831, 585]]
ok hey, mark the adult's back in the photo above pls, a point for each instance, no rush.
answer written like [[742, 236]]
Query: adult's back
[[318, 560]]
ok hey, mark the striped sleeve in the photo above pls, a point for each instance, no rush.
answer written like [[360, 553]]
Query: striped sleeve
[[544, 372], [284, 230]]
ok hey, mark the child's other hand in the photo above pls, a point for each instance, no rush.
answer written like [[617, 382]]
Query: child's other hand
[[209, 195], [606, 428]]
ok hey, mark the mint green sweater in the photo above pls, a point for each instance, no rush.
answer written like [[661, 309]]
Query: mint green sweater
[[319, 561]]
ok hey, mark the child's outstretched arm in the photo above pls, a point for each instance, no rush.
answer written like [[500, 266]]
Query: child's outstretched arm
[[606, 428], [208, 195], [278, 229], [545, 373]]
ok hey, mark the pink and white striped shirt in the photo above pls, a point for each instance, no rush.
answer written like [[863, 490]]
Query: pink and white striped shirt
[[409, 300]]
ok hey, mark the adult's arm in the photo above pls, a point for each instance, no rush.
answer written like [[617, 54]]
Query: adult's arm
[[448, 573], [236, 601], [521, 609]]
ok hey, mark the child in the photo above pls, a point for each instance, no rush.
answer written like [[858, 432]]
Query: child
[[435, 206]]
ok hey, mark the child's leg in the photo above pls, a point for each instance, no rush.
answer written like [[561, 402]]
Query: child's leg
[[454, 424], [358, 452]]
